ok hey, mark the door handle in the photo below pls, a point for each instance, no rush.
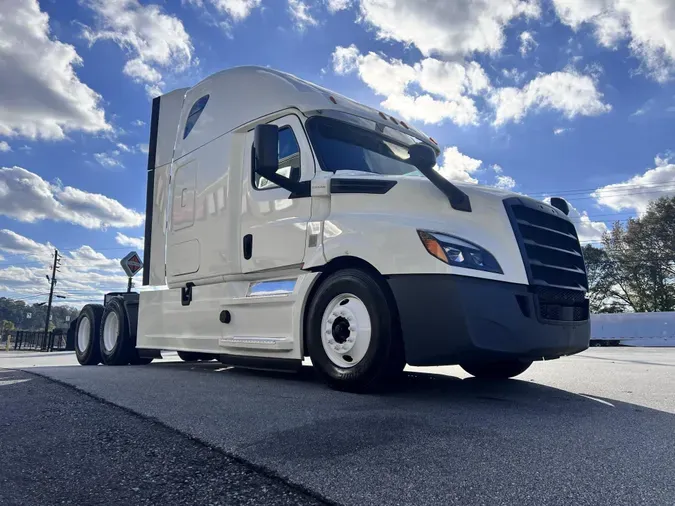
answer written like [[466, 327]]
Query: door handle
[[248, 246]]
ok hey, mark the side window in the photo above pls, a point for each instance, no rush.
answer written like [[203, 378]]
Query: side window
[[289, 160], [195, 112]]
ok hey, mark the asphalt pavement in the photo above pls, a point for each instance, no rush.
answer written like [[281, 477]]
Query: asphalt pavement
[[59, 446], [596, 428]]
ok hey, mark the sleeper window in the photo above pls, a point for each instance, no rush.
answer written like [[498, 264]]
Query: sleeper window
[[289, 160], [195, 112]]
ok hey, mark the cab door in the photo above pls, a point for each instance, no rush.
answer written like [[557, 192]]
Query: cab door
[[274, 225]]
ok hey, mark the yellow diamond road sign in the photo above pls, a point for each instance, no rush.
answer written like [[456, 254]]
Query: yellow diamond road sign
[[131, 264]]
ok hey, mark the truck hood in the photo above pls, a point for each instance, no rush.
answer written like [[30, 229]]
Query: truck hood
[[420, 184], [415, 203]]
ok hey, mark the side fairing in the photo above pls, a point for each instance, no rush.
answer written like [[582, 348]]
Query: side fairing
[[165, 113]]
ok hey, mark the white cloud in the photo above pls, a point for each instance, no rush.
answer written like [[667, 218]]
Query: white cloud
[[647, 25], [451, 28], [151, 38], [15, 244], [27, 197], [300, 14], [346, 59], [41, 96], [238, 10], [571, 93], [513, 74], [505, 182], [143, 148], [138, 123], [445, 86], [4, 147], [451, 80], [594, 69], [561, 130], [638, 191], [84, 273], [338, 5], [134, 242], [458, 166], [527, 43], [141, 72], [123, 147], [108, 160], [233, 11], [497, 168], [645, 108], [428, 109], [587, 230]]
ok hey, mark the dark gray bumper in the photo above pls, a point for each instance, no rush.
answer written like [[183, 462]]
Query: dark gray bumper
[[451, 319]]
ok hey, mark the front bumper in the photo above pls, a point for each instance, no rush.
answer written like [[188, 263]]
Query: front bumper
[[447, 319]]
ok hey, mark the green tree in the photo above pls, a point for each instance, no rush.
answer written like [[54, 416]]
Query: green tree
[[639, 261], [17, 311], [600, 275]]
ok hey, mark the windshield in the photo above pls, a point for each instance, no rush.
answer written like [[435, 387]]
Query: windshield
[[342, 146]]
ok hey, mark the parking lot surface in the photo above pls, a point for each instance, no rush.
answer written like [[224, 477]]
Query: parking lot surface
[[596, 428]]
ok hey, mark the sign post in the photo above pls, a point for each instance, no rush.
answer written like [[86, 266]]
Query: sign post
[[132, 265]]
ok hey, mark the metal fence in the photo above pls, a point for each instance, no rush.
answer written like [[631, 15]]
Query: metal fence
[[40, 341]]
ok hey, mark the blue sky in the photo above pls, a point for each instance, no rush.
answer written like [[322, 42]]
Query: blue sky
[[551, 97]]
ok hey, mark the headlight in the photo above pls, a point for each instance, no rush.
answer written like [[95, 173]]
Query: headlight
[[458, 252]]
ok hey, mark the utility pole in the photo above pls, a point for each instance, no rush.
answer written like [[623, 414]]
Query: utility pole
[[51, 291]]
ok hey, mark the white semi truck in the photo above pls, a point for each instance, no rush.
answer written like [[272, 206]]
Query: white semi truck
[[286, 221]]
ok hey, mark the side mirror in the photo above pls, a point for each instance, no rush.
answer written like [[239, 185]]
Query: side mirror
[[266, 150], [422, 156], [266, 162], [561, 205]]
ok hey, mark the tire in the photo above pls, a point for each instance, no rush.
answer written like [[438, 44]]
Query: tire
[[503, 369], [192, 356], [115, 342], [345, 354], [87, 347]]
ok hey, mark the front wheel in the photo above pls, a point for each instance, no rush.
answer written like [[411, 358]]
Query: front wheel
[[353, 335], [502, 369]]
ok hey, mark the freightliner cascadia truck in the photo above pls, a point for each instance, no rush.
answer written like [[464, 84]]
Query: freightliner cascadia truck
[[286, 221]]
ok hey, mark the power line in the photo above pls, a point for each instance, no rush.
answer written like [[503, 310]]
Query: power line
[[97, 249], [585, 190], [622, 194]]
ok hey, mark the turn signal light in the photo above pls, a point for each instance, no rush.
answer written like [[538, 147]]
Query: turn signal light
[[433, 246]]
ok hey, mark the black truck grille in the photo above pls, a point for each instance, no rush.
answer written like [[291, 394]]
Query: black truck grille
[[553, 259]]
